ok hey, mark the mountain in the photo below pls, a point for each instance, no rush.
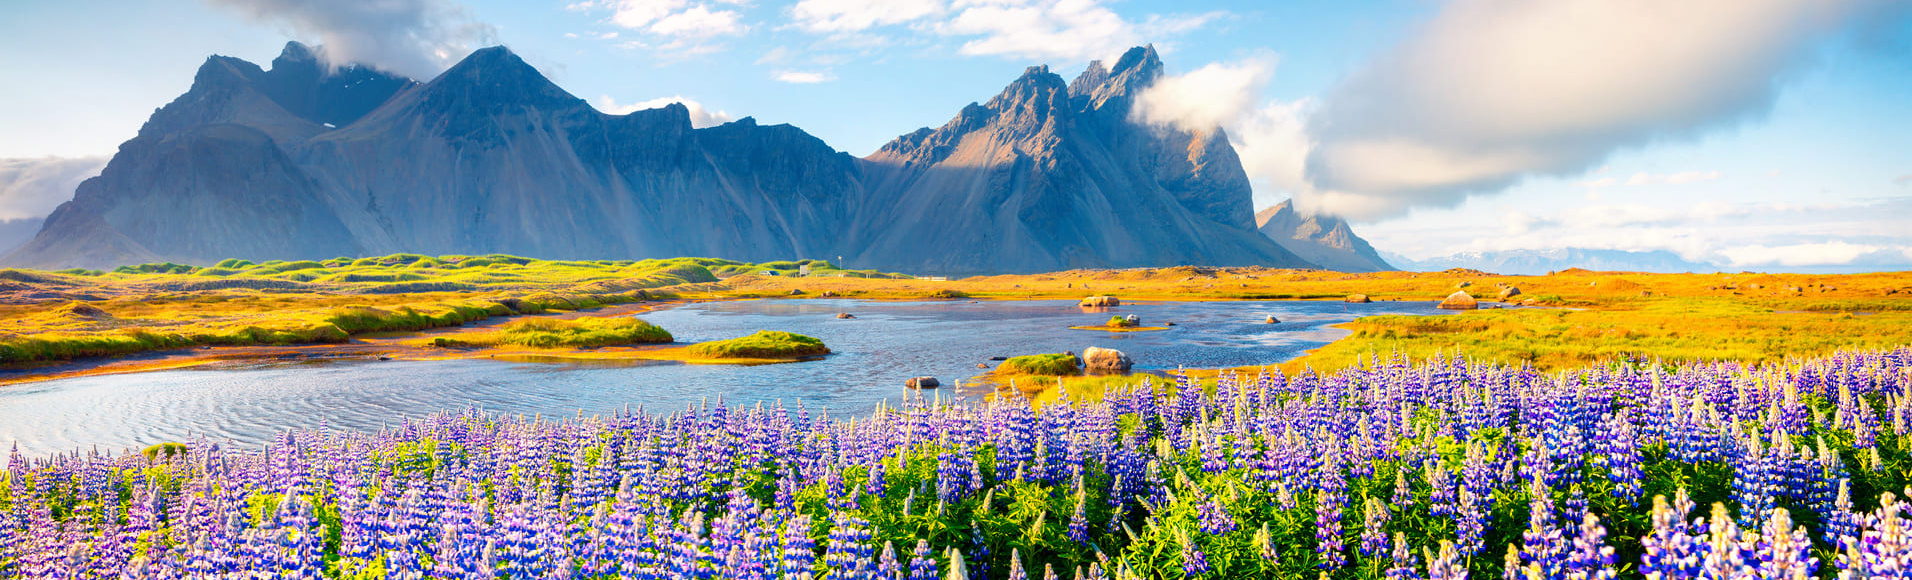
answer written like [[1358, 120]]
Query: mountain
[[303, 161], [1050, 176], [1538, 262], [1324, 240]]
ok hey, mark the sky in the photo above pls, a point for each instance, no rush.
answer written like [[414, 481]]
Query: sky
[[1752, 134]]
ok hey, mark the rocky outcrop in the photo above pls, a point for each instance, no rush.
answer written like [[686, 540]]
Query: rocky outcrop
[[1324, 240], [1108, 360], [1459, 301], [1100, 302], [1509, 293], [1358, 299]]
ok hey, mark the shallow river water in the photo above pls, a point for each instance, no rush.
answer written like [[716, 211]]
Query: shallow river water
[[887, 343]]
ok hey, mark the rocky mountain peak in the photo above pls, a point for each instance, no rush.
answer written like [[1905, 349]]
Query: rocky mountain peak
[[1113, 90], [495, 77], [1323, 239], [295, 52]]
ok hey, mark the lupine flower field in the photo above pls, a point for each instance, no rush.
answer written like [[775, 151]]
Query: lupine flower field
[[1436, 471]]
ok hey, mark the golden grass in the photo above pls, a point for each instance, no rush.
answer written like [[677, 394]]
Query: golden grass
[[1743, 316]]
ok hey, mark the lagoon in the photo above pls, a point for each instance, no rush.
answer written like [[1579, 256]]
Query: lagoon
[[247, 403]]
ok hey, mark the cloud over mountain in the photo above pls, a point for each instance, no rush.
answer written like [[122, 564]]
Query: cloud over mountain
[[415, 38]]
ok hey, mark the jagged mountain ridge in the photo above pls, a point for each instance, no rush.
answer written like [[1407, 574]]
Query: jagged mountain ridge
[[1324, 240], [302, 162]]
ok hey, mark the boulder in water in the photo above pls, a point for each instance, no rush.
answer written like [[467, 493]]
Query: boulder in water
[[1100, 302], [1359, 298], [1106, 360], [845, 315], [922, 383], [1459, 301], [1271, 319]]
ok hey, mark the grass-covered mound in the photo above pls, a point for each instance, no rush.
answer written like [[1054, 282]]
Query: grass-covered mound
[[764, 344], [557, 333], [1048, 365]]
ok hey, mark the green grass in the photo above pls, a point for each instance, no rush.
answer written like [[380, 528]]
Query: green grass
[[1049, 365], [557, 333], [763, 344]]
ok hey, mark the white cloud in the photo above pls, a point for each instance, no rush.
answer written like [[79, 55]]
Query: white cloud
[[1903, 180], [699, 22], [1489, 92], [685, 24], [833, 16], [802, 77], [700, 116], [1056, 29], [1816, 254], [775, 56], [417, 38], [1207, 97], [31, 188]]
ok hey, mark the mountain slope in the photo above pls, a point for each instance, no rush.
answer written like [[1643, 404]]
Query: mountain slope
[[301, 161], [1324, 240]]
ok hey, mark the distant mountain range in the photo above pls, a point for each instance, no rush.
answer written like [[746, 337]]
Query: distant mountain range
[[1538, 262], [301, 162]]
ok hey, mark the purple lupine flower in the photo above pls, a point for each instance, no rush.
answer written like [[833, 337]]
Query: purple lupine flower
[[1328, 503], [922, 566], [1194, 562], [1788, 550], [1544, 545], [1671, 553], [1402, 565], [1590, 558], [1374, 536], [1446, 564], [1265, 546]]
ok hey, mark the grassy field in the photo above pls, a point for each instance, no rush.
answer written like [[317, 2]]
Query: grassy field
[[1589, 316]]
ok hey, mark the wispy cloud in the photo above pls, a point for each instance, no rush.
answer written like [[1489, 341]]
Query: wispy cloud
[[1057, 29], [32, 188], [417, 38], [1903, 180], [681, 27], [802, 77], [838, 16]]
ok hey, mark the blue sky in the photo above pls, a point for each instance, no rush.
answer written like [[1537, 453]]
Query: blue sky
[[1763, 134]]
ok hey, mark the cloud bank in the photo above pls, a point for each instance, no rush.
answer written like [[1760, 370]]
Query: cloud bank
[[416, 38], [1491, 91], [32, 188], [700, 117]]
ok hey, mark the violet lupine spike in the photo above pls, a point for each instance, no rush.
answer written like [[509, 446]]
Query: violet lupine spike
[[1401, 566], [1374, 535], [1446, 564]]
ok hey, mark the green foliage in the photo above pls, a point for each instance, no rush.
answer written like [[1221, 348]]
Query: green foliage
[[560, 333], [156, 268], [163, 451], [1052, 365], [762, 344]]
